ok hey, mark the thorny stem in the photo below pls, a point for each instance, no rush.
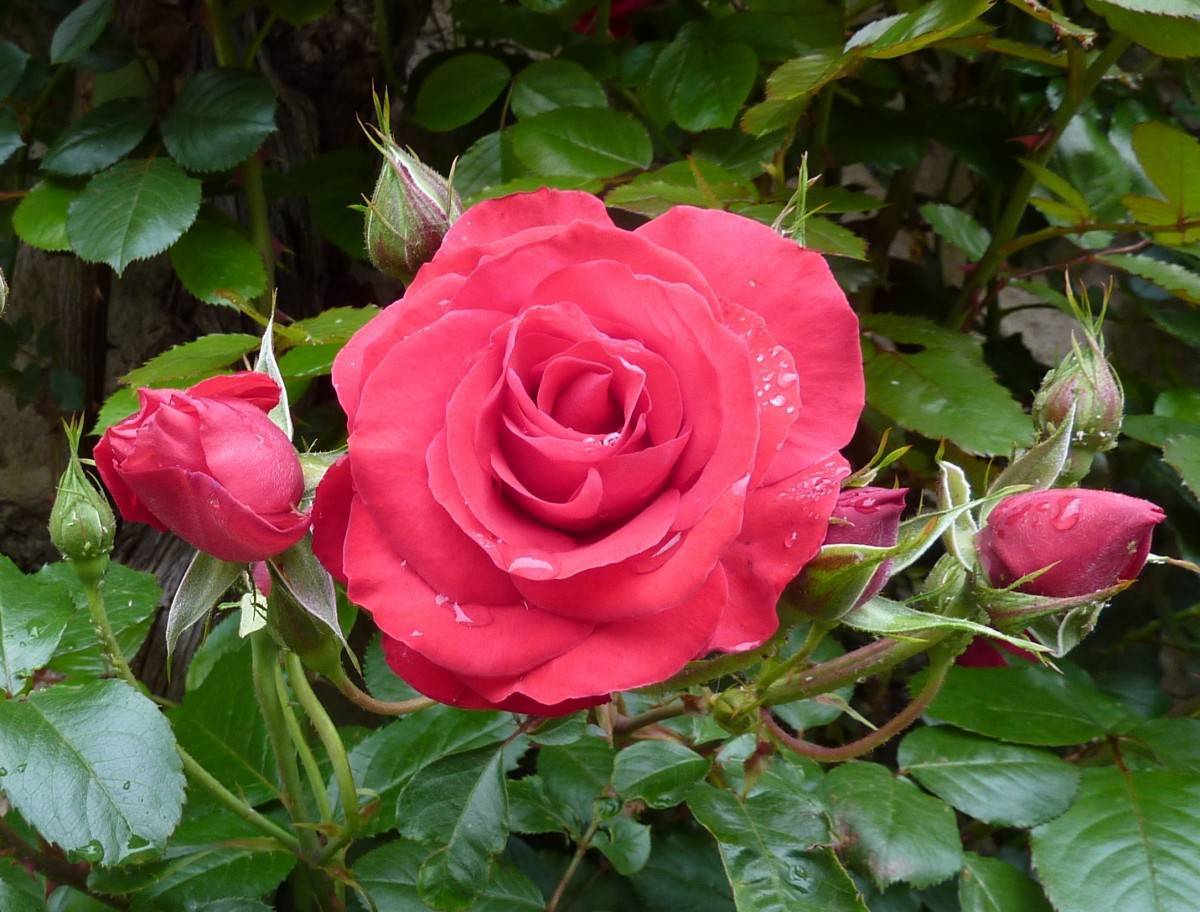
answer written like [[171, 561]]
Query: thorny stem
[[669, 710], [867, 743], [580, 850], [1077, 93], [364, 700], [316, 782], [264, 656], [330, 739]]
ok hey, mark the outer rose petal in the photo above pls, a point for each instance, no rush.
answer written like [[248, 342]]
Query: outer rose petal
[[402, 409], [794, 291], [784, 527], [500, 219], [127, 502], [441, 685], [249, 386], [331, 517]]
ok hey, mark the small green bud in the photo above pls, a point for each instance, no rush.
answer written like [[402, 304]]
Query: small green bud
[[1086, 381], [410, 210], [736, 711], [82, 525]]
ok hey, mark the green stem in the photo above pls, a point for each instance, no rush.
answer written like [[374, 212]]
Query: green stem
[[580, 850], [816, 633], [1018, 199], [201, 776], [264, 656], [316, 782], [364, 700], [222, 38], [383, 39], [669, 710], [867, 743], [259, 38], [1056, 231], [198, 774], [330, 739]]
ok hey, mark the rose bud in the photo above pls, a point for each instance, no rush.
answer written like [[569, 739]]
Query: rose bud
[[1086, 381], [868, 516], [82, 525], [410, 212], [209, 465], [1090, 540]]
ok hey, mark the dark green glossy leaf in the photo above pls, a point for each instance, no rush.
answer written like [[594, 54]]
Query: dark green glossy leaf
[[1171, 743], [683, 875], [1030, 705], [904, 33], [19, 890], [201, 356], [625, 843], [1174, 36], [998, 783], [10, 135], [1128, 842], [34, 611], [702, 84], [12, 65], [991, 885], [221, 118], [79, 30], [458, 90], [892, 830], [574, 775], [550, 84], [100, 137], [582, 142], [958, 228], [118, 781], [660, 773], [135, 209], [216, 256]]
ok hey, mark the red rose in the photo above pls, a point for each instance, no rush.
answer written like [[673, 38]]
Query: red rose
[[1094, 539], [868, 516], [581, 456], [209, 465]]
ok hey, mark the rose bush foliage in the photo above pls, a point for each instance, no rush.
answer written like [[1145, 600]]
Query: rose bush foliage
[[580, 456]]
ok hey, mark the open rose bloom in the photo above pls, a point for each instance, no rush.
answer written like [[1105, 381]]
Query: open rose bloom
[[580, 456]]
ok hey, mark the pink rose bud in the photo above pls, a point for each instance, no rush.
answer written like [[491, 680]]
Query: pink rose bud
[[1093, 539], [868, 516], [984, 652], [1086, 381], [209, 465]]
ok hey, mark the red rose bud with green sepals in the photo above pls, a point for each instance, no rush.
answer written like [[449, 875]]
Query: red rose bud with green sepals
[[1086, 381], [1089, 540], [868, 516]]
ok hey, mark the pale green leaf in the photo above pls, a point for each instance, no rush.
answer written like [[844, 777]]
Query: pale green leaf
[[40, 219], [207, 354], [216, 256], [34, 611], [904, 33]]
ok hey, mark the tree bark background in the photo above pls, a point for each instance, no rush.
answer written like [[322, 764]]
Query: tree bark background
[[323, 74]]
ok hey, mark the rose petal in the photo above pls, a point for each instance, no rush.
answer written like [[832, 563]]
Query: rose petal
[[253, 387], [331, 517], [249, 455]]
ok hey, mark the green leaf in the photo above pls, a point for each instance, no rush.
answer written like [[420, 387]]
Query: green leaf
[[902, 34], [12, 65], [702, 84], [1171, 159], [582, 142], [459, 804], [683, 875], [118, 781], [625, 843], [550, 84], [220, 725], [829, 237], [991, 885], [893, 830], [654, 192], [1030, 705], [216, 256], [1074, 206], [770, 844], [389, 876], [130, 597], [1172, 743], [337, 324], [10, 135], [133, 210], [306, 361], [530, 809], [945, 390], [79, 30], [117, 407], [221, 118], [208, 354], [802, 77], [19, 891], [386, 760], [1002, 784], [1128, 842], [1176, 36], [958, 228], [204, 581], [100, 137], [458, 90], [382, 682], [575, 775], [34, 611], [1178, 280], [1183, 455], [660, 773], [41, 218]]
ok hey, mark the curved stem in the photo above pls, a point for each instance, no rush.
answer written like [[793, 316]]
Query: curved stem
[[869, 742], [108, 639], [264, 656], [669, 710], [1056, 231], [330, 739], [584, 844], [316, 782], [1010, 219], [364, 700], [201, 776]]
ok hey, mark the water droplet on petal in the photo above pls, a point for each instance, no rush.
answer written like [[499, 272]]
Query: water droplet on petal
[[1068, 514], [778, 401], [532, 567]]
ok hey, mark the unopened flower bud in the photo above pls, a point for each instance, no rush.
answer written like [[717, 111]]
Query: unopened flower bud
[[1089, 540], [868, 516], [82, 525], [1084, 379], [410, 212]]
